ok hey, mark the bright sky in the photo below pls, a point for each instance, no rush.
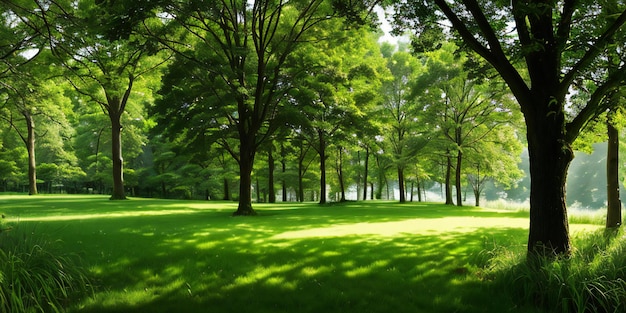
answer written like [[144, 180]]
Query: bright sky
[[386, 27]]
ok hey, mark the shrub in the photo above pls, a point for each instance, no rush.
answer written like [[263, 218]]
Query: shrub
[[591, 280], [33, 278]]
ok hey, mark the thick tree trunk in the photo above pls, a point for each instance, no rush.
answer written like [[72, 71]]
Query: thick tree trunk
[[614, 205], [401, 184], [457, 177], [246, 162], [272, 167], [30, 147], [550, 156], [116, 156]]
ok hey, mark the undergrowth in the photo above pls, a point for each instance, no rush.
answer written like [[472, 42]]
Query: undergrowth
[[590, 280], [33, 276]]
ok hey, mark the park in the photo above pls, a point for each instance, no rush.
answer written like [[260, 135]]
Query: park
[[307, 156], [151, 255]]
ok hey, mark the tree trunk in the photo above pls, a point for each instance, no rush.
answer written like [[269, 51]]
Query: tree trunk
[[226, 189], [614, 205], [550, 156], [322, 153], [30, 146], [246, 162], [459, 160], [283, 164], [272, 168], [367, 158], [448, 186], [477, 196], [419, 190], [300, 181], [116, 156], [401, 184], [342, 186]]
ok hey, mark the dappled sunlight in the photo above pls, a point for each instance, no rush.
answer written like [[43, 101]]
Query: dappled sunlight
[[269, 275], [376, 257], [410, 226], [73, 217]]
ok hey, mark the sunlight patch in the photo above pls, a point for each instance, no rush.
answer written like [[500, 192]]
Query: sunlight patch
[[411, 226], [310, 271], [260, 274], [99, 216]]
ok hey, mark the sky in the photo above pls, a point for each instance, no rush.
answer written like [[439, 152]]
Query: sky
[[386, 27]]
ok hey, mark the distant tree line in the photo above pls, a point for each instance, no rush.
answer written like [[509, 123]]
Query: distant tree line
[[234, 99]]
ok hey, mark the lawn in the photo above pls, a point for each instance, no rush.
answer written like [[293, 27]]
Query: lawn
[[148, 255]]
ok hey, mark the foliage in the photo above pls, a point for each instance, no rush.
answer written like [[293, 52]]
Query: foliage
[[35, 276]]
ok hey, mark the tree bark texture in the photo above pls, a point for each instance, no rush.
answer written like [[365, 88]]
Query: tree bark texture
[[116, 156], [550, 156], [614, 204], [246, 162]]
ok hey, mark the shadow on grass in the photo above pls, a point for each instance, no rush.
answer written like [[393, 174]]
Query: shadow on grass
[[370, 257]]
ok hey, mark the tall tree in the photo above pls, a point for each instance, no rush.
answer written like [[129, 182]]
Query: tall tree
[[401, 112], [243, 46], [556, 43], [104, 58], [465, 110], [336, 85]]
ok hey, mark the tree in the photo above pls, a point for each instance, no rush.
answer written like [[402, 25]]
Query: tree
[[614, 205], [556, 43], [401, 112], [495, 159], [104, 61], [336, 82], [465, 110], [34, 102], [19, 44], [244, 46]]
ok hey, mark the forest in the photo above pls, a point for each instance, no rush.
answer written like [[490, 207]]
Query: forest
[[301, 101], [269, 103]]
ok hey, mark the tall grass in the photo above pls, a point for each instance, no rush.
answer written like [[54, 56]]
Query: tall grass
[[33, 276], [590, 280]]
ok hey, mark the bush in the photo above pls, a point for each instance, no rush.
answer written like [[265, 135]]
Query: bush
[[33, 278], [591, 280]]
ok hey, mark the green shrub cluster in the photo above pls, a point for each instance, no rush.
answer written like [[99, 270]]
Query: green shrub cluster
[[592, 279], [33, 278]]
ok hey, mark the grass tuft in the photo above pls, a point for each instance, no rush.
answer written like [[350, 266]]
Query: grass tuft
[[590, 280], [34, 277]]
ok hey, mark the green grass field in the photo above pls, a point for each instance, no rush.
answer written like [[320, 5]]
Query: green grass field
[[148, 255]]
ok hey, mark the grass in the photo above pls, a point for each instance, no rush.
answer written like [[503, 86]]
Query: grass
[[147, 255]]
